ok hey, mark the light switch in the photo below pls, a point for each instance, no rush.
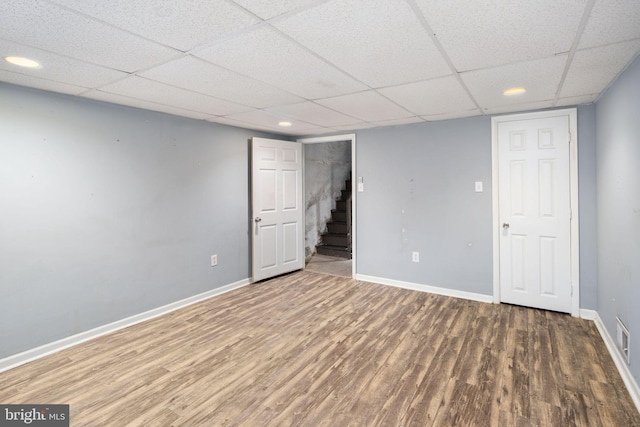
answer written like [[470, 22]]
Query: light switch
[[360, 184], [479, 187]]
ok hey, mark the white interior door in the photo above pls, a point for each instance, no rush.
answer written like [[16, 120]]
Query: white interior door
[[277, 207], [535, 212]]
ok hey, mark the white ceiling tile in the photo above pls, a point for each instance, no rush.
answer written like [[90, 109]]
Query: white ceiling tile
[[149, 90], [145, 105], [58, 68], [611, 22], [455, 115], [50, 27], [357, 126], [38, 83], [478, 34], [307, 130], [200, 76], [331, 49], [262, 118], [592, 70], [240, 124], [398, 122], [576, 100], [368, 106], [180, 24], [300, 128], [267, 9], [540, 78], [311, 112], [528, 106], [436, 96], [269, 120], [380, 42], [314, 132], [267, 56]]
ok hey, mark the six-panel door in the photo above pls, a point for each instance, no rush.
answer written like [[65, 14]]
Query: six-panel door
[[535, 210], [277, 207]]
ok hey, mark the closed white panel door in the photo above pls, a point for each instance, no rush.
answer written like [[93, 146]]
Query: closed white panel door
[[535, 212], [277, 207]]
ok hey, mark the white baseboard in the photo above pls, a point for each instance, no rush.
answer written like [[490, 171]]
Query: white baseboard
[[53, 347], [588, 314], [620, 363], [426, 288]]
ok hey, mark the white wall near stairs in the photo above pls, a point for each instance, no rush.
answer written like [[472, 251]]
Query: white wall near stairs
[[327, 167]]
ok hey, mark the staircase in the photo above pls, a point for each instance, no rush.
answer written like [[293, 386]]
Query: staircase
[[337, 240]]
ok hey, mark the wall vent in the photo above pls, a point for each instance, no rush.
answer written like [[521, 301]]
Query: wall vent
[[622, 334]]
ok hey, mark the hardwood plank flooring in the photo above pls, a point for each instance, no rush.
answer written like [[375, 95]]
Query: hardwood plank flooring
[[309, 349]]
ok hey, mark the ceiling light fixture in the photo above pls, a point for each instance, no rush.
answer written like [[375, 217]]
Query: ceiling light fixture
[[284, 124], [514, 91], [22, 61]]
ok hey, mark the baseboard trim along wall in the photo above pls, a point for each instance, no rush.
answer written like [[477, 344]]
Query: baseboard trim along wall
[[588, 314], [623, 368], [426, 288], [53, 347]]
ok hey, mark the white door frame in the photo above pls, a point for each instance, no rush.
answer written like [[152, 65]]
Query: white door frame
[[573, 177], [336, 138]]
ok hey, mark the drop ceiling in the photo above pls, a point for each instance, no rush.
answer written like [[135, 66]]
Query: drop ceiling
[[324, 66]]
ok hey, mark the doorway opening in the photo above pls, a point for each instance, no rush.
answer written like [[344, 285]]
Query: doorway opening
[[329, 164]]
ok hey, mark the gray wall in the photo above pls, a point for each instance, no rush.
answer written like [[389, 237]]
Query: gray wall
[[419, 196], [326, 168], [587, 206], [108, 211], [618, 180]]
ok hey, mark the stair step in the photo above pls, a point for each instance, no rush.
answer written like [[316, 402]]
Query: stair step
[[337, 251], [335, 239], [337, 215], [337, 227]]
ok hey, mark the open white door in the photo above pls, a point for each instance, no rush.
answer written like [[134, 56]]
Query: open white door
[[277, 227], [535, 211]]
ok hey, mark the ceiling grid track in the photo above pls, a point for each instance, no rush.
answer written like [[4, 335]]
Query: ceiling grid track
[[323, 65], [574, 46]]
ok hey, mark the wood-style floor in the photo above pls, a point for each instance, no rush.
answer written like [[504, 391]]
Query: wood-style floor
[[317, 350]]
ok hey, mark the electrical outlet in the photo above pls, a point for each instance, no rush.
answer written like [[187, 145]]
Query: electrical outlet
[[415, 257], [214, 260]]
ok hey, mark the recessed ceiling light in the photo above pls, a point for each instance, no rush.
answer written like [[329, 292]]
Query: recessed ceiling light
[[514, 91], [284, 124], [22, 62]]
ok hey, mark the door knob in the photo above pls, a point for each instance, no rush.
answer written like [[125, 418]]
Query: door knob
[[505, 226], [258, 219]]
